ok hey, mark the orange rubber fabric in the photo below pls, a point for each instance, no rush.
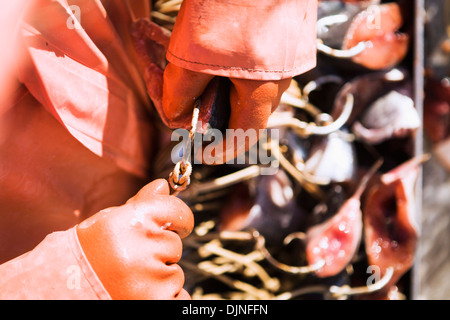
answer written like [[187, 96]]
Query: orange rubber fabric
[[56, 269], [125, 252], [261, 40], [85, 74]]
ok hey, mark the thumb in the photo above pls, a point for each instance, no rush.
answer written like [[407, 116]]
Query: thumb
[[154, 188]]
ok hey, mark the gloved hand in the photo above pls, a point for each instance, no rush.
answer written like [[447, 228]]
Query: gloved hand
[[134, 248], [258, 45]]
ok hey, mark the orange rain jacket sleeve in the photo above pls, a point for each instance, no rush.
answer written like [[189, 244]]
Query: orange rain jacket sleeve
[[261, 40], [267, 39]]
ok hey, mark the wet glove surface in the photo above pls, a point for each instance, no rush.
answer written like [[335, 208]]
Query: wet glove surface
[[134, 248]]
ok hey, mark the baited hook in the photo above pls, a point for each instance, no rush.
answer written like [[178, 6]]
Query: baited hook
[[344, 291], [345, 54], [260, 245], [339, 292]]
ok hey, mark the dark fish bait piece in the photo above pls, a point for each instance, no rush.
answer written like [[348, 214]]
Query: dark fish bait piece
[[391, 230], [378, 24], [336, 240], [391, 116], [272, 210], [367, 88]]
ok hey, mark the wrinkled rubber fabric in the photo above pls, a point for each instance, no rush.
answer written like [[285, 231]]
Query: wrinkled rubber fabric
[[11, 13], [261, 40], [56, 269], [86, 77]]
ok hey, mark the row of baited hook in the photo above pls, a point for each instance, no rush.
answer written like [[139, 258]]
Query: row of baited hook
[[220, 263]]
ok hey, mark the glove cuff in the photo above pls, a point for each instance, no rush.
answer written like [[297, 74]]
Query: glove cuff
[[87, 271]]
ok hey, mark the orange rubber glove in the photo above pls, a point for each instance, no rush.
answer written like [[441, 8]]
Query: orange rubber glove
[[126, 252], [251, 101], [134, 248]]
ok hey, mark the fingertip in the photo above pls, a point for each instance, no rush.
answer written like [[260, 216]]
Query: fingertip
[[156, 187], [159, 187], [181, 88], [188, 225]]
